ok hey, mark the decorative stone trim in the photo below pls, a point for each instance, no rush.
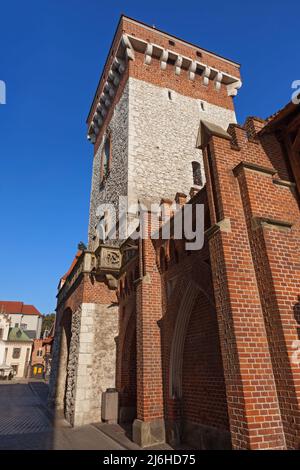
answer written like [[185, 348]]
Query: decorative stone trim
[[253, 167], [108, 259], [232, 88], [163, 59], [192, 70], [287, 184], [112, 282], [148, 54], [218, 80], [128, 48], [178, 65], [208, 129], [206, 75], [281, 225]]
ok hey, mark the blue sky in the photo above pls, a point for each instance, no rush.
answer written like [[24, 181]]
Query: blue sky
[[51, 56]]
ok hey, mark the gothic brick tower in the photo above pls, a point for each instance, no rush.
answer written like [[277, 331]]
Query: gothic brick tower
[[143, 123]]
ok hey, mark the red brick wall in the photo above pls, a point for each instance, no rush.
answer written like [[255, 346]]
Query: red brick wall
[[181, 84], [86, 289], [256, 280], [149, 359]]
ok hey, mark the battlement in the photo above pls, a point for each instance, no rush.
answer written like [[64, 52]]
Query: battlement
[[153, 56]]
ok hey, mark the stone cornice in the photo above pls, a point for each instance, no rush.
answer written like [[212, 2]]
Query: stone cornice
[[125, 51], [253, 167], [179, 40], [183, 62], [282, 225], [223, 225]]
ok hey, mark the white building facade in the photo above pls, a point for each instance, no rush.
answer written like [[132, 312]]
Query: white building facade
[[15, 348]]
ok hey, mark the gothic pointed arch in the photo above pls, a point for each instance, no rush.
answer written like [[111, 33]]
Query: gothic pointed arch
[[176, 357]]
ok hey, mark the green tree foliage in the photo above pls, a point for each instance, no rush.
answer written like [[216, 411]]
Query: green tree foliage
[[48, 321]]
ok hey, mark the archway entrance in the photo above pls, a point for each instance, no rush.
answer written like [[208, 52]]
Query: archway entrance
[[197, 383]]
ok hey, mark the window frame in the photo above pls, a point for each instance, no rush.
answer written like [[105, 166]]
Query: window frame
[[14, 353], [197, 173]]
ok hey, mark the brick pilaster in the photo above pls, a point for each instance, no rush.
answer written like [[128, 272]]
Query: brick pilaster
[[253, 408], [149, 362]]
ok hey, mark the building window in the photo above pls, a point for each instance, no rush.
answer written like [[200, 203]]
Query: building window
[[105, 159], [16, 353], [15, 368], [23, 326], [39, 353], [5, 355], [16, 325], [1, 333], [197, 177]]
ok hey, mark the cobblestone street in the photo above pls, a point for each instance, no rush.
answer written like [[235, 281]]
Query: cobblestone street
[[26, 424]]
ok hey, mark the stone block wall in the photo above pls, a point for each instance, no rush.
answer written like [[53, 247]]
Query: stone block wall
[[84, 366], [163, 128], [255, 266], [117, 182], [154, 132], [73, 366], [96, 360]]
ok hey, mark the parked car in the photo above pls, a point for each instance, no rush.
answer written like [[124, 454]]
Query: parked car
[[6, 372]]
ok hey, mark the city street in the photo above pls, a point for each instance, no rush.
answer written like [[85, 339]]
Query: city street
[[26, 424]]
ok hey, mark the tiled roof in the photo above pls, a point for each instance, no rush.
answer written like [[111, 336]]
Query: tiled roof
[[9, 306], [16, 334], [273, 120]]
